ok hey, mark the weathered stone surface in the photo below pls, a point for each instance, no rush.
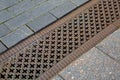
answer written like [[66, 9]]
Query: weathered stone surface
[[94, 65], [111, 45]]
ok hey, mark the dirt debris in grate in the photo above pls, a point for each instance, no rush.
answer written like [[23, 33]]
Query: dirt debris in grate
[[36, 58]]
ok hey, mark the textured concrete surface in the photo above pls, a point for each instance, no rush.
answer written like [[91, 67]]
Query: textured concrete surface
[[111, 45], [16, 13], [100, 63], [94, 65]]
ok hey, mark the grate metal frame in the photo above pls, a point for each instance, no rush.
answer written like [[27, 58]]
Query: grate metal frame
[[45, 53]]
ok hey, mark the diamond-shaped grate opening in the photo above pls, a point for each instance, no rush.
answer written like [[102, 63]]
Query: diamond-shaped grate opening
[[39, 56]]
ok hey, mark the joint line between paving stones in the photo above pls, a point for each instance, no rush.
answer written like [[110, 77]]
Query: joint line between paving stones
[[30, 28], [3, 44], [53, 15], [61, 76], [10, 6], [108, 55]]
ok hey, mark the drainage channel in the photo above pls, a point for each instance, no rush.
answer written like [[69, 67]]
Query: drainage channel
[[47, 52]]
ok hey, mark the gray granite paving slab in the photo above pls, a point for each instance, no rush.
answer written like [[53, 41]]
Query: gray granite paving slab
[[2, 47], [41, 22], [79, 2], [111, 45], [18, 21], [4, 30], [16, 36], [45, 7], [24, 6], [8, 3], [1, 6], [5, 15], [61, 10], [57, 78], [93, 65]]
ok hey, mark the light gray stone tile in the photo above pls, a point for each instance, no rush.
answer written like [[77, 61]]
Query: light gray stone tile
[[24, 6], [4, 30], [18, 21], [61, 10], [79, 2], [16, 36], [45, 7], [8, 3], [5, 15], [93, 65], [2, 47], [21, 7], [41, 22], [1, 6], [111, 45]]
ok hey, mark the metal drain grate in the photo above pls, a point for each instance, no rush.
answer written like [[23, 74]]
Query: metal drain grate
[[39, 56]]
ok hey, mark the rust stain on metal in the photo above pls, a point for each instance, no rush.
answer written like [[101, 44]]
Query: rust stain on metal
[[44, 54]]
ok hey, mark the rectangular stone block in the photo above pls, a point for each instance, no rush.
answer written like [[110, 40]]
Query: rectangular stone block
[[2, 47], [18, 21], [63, 9], [41, 22], [16, 36], [4, 30], [24, 6], [79, 2], [45, 7], [5, 15]]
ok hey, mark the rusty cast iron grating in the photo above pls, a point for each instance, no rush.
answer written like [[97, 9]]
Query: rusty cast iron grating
[[46, 55]]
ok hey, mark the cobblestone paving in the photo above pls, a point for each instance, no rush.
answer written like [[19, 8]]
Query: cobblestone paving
[[15, 14], [100, 63]]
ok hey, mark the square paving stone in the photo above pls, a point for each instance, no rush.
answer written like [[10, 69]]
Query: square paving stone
[[93, 65], [16, 36], [4, 30], [63, 9], [2, 47], [111, 45], [41, 22]]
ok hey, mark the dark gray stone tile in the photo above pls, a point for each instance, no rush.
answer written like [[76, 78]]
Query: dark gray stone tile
[[79, 2], [2, 47], [56, 78], [93, 65], [41, 22], [111, 45], [4, 30], [16, 36], [61, 10]]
